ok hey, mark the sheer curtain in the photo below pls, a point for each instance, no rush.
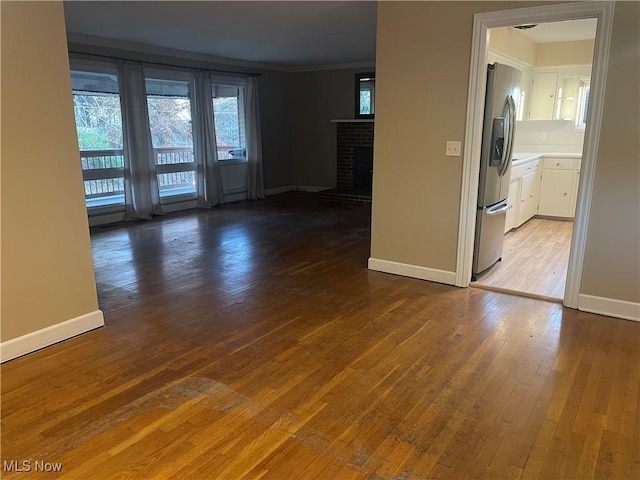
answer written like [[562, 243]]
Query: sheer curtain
[[141, 194], [255, 182], [210, 190]]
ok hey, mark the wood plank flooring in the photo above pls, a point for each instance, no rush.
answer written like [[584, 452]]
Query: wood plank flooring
[[534, 260], [250, 341]]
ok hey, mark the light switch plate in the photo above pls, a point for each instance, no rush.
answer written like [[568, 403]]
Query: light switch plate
[[453, 149]]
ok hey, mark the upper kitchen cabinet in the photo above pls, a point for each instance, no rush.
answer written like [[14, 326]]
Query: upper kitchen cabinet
[[543, 95], [560, 93], [555, 60]]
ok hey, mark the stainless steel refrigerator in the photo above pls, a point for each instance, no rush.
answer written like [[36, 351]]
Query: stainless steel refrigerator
[[498, 133]]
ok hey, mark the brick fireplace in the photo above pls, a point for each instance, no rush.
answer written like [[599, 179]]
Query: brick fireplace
[[354, 163]]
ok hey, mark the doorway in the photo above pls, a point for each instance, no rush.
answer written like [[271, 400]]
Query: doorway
[[554, 62], [603, 12]]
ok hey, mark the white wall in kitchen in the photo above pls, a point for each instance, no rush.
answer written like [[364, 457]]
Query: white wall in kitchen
[[548, 136]]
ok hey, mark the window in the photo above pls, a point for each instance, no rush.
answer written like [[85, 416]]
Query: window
[[169, 108], [229, 119], [365, 95], [521, 104], [583, 103], [101, 113], [96, 104]]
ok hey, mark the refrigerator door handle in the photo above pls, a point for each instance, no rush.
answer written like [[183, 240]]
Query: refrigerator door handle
[[498, 211], [508, 153]]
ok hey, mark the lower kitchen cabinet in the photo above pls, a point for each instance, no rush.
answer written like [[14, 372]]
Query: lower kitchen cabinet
[[529, 196], [513, 200], [523, 193], [559, 187], [546, 187]]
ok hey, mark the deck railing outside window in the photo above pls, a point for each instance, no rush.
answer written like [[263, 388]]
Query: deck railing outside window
[[103, 173]]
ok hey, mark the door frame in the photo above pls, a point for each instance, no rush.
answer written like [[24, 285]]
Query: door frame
[[482, 22]]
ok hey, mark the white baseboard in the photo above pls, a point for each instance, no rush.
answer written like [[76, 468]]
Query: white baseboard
[[279, 190], [610, 307], [16, 347], [413, 271]]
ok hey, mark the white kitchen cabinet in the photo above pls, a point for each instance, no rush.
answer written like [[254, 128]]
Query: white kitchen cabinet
[[543, 95], [559, 187], [529, 196], [558, 93], [513, 200], [523, 193]]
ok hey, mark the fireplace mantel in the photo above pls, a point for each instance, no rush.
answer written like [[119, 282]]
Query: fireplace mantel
[[353, 120]]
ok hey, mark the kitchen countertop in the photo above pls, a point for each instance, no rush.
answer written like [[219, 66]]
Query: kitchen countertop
[[524, 157]]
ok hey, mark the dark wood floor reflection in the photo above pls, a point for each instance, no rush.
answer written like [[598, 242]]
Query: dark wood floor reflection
[[250, 341]]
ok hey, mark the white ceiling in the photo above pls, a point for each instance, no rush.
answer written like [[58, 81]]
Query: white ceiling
[[288, 35], [566, 31]]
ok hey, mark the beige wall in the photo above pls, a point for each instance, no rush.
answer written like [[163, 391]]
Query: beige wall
[[510, 42], [612, 256], [423, 54], [47, 269], [416, 191], [317, 98], [565, 53]]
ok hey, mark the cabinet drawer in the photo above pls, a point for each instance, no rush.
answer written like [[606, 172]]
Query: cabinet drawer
[[559, 163], [520, 170], [525, 168]]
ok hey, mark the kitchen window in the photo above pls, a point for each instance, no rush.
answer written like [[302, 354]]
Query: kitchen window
[[583, 103]]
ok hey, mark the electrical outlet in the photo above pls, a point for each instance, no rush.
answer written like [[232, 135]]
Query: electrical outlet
[[543, 135], [453, 149]]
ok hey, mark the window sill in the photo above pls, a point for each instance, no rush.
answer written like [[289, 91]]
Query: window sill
[[112, 202]]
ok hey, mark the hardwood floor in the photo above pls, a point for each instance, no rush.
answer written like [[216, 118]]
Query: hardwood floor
[[534, 260], [250, 341]]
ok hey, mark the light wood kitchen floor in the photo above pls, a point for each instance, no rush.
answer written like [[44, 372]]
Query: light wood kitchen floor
[[534, 260]]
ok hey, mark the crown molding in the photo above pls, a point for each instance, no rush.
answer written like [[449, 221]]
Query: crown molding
[[137, 51]]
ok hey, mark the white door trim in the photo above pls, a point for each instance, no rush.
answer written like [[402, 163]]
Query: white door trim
[[603, 11]]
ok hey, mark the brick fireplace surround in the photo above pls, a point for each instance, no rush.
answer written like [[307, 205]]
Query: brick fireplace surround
[[350, 135]]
